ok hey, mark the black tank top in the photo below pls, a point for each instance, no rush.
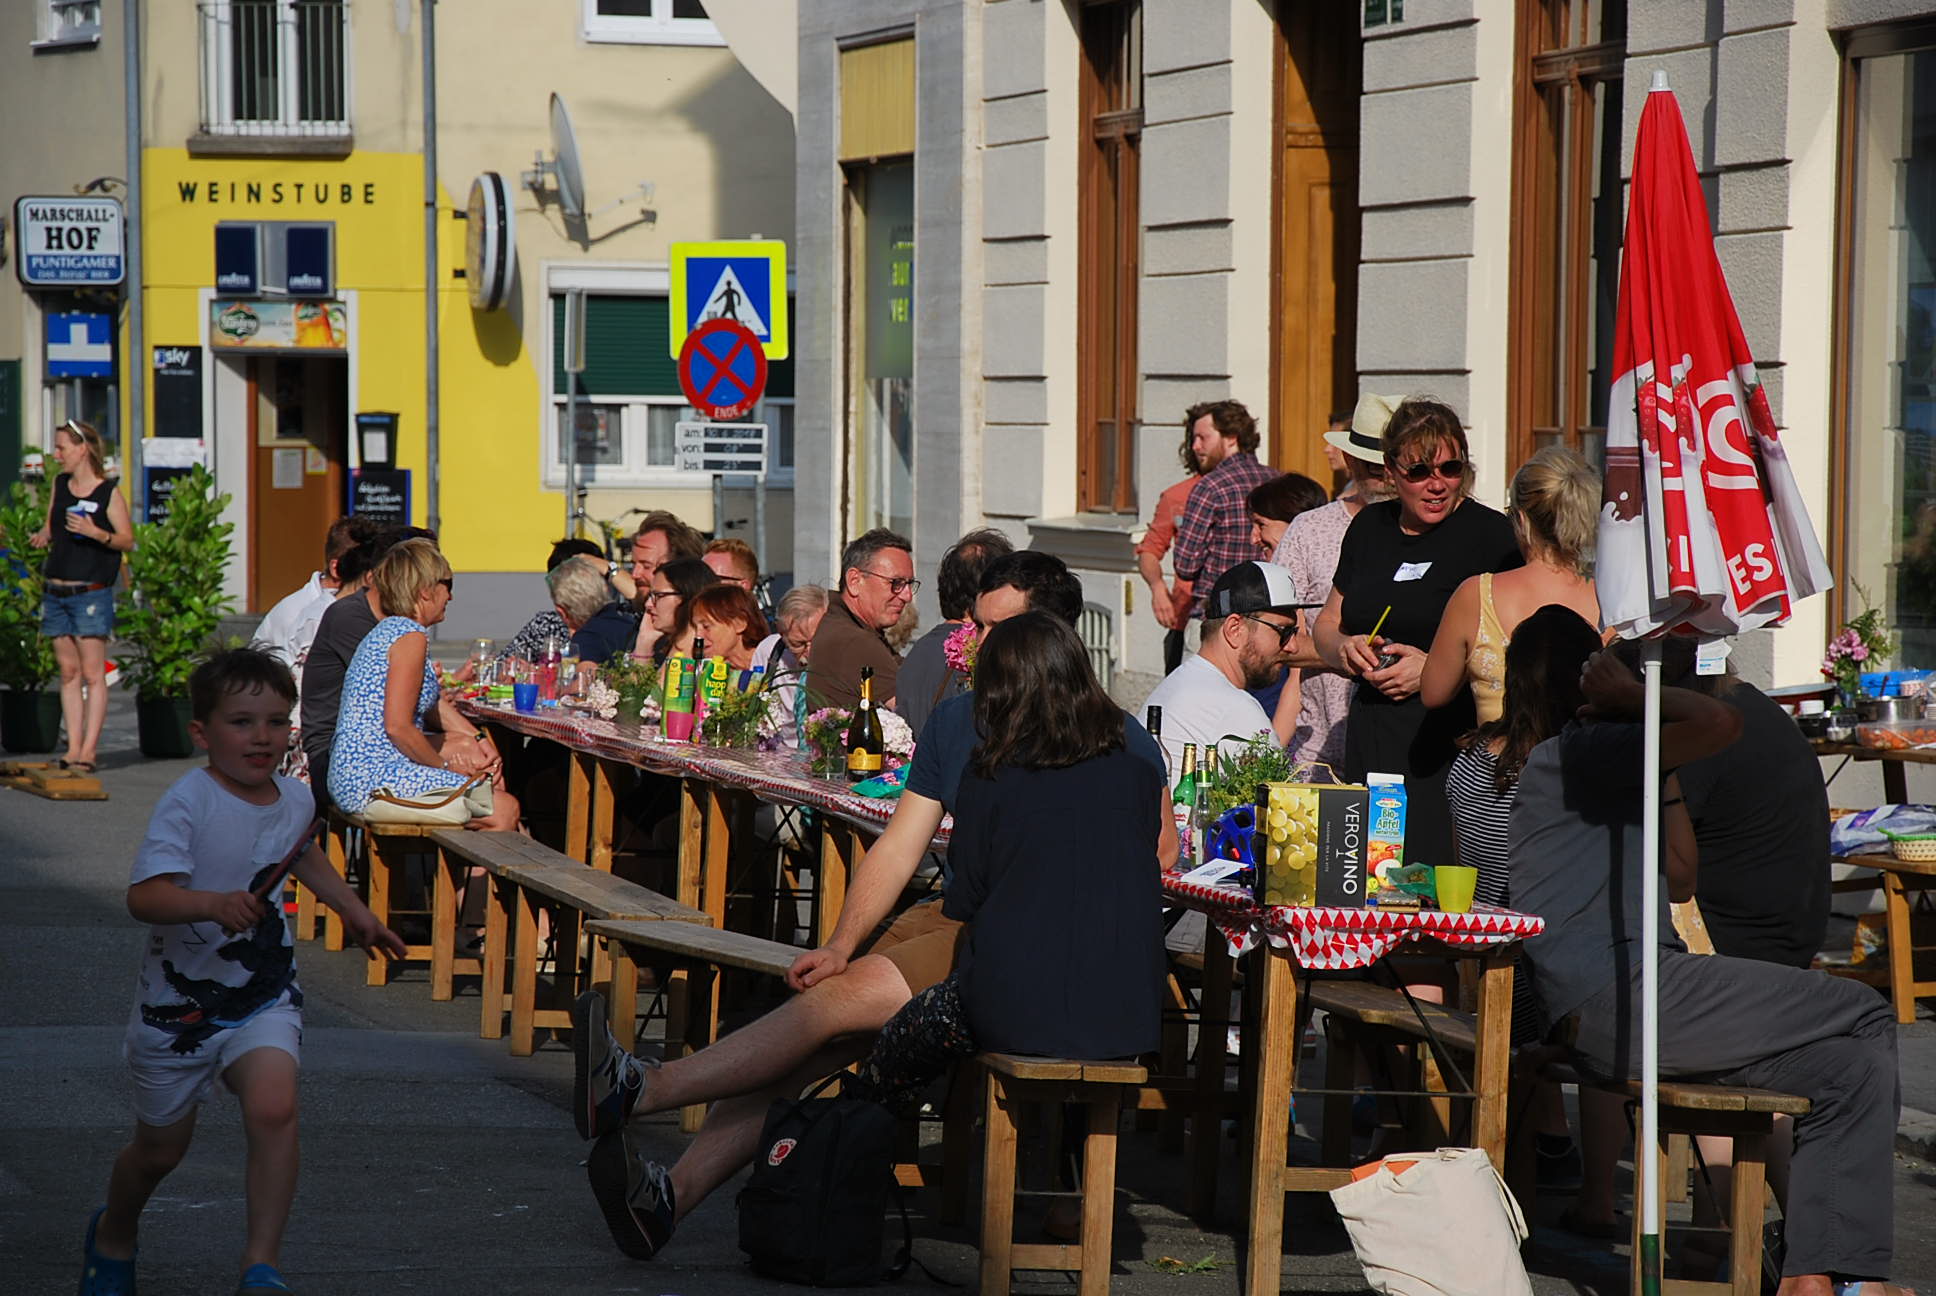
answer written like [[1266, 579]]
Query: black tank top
[[81, 558]]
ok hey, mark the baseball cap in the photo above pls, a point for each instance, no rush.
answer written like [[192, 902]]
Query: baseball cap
[[1365, 438], [1253, 587]]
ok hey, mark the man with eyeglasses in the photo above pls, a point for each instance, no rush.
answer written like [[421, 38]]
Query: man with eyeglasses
[[876, 584], [1248, 621]]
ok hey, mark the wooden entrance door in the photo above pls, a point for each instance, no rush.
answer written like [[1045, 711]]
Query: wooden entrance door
[[1320, 74], [298, 421]]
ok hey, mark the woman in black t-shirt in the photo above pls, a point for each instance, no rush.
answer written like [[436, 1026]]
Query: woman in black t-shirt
[[1057, 822], [87, 531], [1408, 555]]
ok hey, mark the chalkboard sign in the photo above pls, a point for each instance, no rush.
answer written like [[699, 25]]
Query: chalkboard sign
[[381, 493], [160, 489], [178, 391]]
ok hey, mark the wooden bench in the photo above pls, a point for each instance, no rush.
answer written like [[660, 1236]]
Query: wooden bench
[[525, 877], [1011, 1080], [1189, 1087], [696, 951], [1361, 1013], [379, 858], [1900, 881]]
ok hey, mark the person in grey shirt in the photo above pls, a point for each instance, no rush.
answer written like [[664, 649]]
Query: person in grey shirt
[[926, 679], [1575, 851]]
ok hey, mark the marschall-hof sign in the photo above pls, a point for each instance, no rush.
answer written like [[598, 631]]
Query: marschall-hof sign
[[69, 242]]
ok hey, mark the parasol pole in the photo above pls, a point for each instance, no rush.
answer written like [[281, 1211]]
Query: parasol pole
[[1649, 1160]]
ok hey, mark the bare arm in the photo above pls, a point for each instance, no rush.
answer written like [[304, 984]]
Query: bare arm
[[1151, 568], [167, 900], [1443, 677], [45, 536], [1168, 848], [1683, 854], [1692, 725], [400, 689], [1289, 703], [121, 539], [1353, 654], [880, 877]]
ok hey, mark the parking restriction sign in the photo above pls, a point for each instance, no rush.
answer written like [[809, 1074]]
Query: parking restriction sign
[[722, 370]]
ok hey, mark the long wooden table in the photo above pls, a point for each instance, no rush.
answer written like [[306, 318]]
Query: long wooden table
[[1901, 881], [1281, 940]]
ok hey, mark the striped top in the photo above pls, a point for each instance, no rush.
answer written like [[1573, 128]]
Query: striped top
[[1479, 814]]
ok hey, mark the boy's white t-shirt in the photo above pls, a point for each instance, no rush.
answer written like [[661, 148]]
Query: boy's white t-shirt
[[196, 979]]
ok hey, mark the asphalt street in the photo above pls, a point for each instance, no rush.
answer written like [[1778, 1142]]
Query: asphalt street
[[437, 1163]]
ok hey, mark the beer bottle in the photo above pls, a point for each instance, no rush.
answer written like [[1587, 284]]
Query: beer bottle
[[1183, 801], [865, 747]]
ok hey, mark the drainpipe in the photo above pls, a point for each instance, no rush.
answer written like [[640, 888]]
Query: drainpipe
[[135, 376], [432, 275]]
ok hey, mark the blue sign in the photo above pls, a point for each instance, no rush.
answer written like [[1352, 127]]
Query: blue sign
[[238, 258], [308, 269], [80, 345], [741, 280], [66, 242]]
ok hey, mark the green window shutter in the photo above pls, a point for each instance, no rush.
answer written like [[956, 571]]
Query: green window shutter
[[625, 350]]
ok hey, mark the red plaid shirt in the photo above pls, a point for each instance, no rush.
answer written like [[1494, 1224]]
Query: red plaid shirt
[[1215, 534]]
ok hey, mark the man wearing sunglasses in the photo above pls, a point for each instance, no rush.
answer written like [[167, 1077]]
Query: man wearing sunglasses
[[1248, 620], [876, 585]]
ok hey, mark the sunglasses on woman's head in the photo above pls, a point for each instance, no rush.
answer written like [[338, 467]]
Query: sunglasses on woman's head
[[1450, 469]]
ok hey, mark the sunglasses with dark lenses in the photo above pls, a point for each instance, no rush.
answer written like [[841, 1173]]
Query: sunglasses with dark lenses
[[1450, 469], [1284, 632]]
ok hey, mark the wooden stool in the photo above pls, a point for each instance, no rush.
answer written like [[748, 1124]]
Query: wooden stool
[[1099, 1086], [380, 865]]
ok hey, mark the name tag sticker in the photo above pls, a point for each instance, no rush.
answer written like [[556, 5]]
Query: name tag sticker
[[1411, 571]]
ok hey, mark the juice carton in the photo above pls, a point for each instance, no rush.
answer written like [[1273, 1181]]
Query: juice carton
[[1385, 836], [1310, 844]]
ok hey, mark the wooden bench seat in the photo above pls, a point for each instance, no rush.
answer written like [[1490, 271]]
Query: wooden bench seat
[[378, 855], [1900, 881], [526, 877], [1361, 1014], [696, 952]]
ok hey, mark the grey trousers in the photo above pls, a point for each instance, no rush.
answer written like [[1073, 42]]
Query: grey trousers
[[1833, 1042]]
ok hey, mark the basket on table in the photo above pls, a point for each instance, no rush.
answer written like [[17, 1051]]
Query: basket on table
[[1917, 848]]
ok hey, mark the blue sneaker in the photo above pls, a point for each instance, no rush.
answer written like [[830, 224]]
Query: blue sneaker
[[261, 1280], [634, 1194], [606, 1080], [101, 1276]]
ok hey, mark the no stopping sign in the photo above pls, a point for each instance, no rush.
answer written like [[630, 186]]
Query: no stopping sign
[[722, 369]]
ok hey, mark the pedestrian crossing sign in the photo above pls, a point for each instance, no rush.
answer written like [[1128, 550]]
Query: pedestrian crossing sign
[[743, 280]]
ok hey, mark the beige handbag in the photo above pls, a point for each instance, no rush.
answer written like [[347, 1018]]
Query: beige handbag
[[473, 799], [1435, 1224]]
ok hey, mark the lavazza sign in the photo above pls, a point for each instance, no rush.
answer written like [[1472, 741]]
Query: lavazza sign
[[70, 242]]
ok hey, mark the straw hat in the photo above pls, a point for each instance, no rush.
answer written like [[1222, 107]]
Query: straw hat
[[1365, 438]]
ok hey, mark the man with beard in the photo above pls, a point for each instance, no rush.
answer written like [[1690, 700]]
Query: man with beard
[[1248, 620]]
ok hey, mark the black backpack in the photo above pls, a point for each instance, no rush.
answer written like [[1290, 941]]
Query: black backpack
[[813, 1209]]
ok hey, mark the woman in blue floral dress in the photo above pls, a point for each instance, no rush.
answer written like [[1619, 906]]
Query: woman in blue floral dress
[[380, 742]]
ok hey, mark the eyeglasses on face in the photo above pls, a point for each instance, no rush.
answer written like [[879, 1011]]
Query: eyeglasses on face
[[1450, 469], [1283, 632], [653, 596], [895, 584]]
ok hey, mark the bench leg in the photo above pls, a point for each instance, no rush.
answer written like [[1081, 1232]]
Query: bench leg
[[377, 973], [1340, 1058], [698, 1025], [1099, 1188], [1745, 1214], [1174, 1064], [339, 857], [443, 926], [496, 932], [524, 976], [998, 1187], [1902, 954], [624, 997], [1212, 1059]]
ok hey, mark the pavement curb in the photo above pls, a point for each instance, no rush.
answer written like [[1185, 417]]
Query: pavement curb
[[1916, 1134]]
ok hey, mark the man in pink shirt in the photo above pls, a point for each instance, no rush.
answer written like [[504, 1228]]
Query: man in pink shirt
[[1171, 602]]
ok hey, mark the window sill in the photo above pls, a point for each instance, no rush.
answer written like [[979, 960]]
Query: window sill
[[615, 33], [1091, 541], [63, 44], [204, 144]]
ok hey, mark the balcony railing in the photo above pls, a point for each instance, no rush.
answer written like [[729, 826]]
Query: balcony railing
[[275, 67]]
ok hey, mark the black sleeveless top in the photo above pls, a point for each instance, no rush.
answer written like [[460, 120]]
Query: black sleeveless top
[[81, 558]]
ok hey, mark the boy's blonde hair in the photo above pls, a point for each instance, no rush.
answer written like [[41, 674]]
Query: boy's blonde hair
[[406, 572]]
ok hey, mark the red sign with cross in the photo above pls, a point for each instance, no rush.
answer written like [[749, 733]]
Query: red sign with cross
[[722, 370]]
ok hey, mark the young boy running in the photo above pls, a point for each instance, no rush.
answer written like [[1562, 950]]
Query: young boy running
[[218, 993]]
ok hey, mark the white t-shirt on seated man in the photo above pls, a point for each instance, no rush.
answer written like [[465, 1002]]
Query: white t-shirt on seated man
[[1248, 619]]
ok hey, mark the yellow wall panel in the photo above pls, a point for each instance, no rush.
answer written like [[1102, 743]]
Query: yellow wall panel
[[877, 100]]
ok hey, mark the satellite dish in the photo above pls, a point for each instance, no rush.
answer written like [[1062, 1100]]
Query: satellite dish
[[566, 169]]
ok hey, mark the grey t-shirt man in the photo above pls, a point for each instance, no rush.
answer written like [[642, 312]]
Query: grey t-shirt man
[[926, 680], [1574, 851]]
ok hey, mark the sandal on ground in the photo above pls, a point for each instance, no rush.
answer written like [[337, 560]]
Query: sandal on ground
[[1599, 1230], [100, 1275], [261, 1280]]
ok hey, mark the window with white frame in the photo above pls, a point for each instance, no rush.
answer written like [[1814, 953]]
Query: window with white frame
[[67, 22], [275, 67], [650, 22], [628, 403]]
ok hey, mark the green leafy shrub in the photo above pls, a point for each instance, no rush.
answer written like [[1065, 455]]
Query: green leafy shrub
[[26, 657], [176, 569]]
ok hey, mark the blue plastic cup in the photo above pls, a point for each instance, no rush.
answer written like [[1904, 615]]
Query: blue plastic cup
[[525, 696]]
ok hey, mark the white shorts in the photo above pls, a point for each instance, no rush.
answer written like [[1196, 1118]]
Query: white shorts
[[168, 1084]]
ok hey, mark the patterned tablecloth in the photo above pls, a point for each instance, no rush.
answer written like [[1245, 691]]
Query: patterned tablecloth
[[783, 778], [1331, 939]]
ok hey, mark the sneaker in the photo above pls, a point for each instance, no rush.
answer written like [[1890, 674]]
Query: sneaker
[[101, 1276], [635, 1195], [606, 1080], [262, 1280]]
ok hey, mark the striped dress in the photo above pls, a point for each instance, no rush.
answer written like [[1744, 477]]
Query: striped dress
[[1479, 815]]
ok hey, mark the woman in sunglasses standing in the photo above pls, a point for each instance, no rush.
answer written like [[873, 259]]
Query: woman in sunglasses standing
[[87, 531], [1400, 563]]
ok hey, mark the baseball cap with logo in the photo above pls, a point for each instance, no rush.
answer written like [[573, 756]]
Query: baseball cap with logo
[[1254, 587]]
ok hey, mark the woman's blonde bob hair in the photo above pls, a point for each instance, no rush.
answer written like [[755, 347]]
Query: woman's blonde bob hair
[[406, 573], [1556, 505]]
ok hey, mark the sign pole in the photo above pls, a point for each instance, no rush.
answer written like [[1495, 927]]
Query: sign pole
[[137, 355], [719, 505], [759, 521], [433, 283]]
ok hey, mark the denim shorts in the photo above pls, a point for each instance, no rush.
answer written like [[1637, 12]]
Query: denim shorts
[[87, 614]]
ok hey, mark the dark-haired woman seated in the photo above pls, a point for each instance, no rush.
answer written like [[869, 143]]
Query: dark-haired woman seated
[[1055, 871]]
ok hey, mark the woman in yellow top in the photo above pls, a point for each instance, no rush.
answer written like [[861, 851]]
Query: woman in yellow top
[[1555, 511]]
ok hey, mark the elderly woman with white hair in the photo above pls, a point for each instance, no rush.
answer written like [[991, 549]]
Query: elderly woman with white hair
[[599, 624], [798, 616]]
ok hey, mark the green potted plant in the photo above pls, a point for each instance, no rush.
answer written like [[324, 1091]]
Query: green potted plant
[[30, 714], [175, 571]]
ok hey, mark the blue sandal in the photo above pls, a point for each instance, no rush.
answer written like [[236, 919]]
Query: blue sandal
[[100, 1275], [261, 1280]]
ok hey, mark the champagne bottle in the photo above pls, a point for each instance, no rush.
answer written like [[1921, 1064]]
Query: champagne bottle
[[1153, 723], [1183, 800], [865, 747]]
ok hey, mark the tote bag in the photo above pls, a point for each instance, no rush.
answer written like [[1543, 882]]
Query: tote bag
[[1435, 1224], [457, 805]]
